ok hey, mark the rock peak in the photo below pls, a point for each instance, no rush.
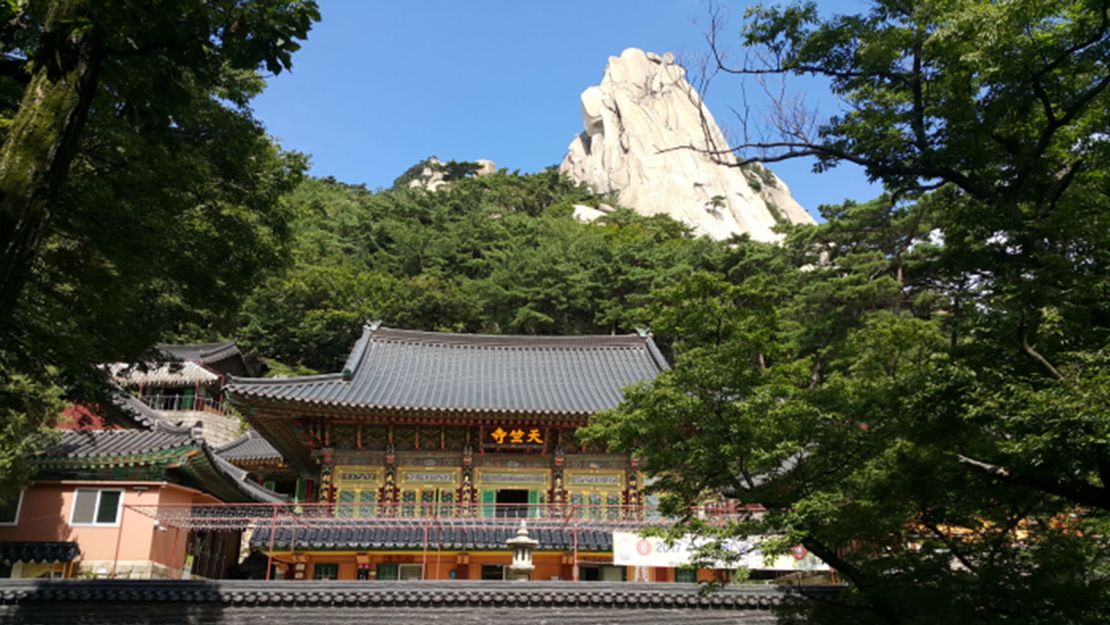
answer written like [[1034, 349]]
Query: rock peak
[[649, 138]]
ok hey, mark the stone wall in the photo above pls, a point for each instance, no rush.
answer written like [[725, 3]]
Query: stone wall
[[218, 429], [125, 569]]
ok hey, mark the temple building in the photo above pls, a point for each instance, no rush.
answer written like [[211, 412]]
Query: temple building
[[185, 382], [91, 509], [417, 458]]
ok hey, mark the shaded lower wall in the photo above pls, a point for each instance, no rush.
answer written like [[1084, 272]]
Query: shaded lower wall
[[92, 602]]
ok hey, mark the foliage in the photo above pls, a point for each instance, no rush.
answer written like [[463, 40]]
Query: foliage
[[920, 395], [157, 211], [25, 404], [495, 253]]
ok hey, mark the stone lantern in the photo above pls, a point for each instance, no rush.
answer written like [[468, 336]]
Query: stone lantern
[[522, 546]]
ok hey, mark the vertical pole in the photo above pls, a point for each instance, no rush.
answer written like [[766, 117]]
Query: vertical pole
[[273, 530], [439, 548], [119, 535], [575, 533], [424, 564], [173, 551]]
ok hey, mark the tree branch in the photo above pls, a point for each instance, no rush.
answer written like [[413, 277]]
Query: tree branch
[[1036, 356], [880, 605], [952, 546], [1078, 491]]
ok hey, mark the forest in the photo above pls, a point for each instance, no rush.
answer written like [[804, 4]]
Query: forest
[[494, 254]]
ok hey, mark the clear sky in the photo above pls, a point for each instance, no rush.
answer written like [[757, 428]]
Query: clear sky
[[381, 85]]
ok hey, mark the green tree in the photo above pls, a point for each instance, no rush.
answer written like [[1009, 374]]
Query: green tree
[[925, 408], [495, 253], [139, 199], [151, 59]]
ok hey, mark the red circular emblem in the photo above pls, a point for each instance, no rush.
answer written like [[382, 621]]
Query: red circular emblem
[[798, 551], [643, 547]]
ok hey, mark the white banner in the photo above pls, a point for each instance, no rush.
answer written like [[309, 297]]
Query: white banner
[[631, 549]]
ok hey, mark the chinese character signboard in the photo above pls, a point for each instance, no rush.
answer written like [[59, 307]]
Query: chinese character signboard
[[513, 437]]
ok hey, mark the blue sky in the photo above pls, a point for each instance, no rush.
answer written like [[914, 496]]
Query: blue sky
[[381, 85]]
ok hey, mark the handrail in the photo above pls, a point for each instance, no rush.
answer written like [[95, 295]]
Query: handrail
[[325, 515], [178, 403]]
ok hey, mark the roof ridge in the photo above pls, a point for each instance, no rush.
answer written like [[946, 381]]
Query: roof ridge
[[391, 369], [200, 344], [239, 442], [249, 381], [630, 336], [240, 477]]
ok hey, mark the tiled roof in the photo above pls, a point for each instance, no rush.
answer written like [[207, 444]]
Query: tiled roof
[[140, 413], [44, 552], [250, 448], [241, 480], [194, 461], [235, 602], [162, 436], [447, 534], [168, 374], [432, 371], [204, 353], [126, 410]]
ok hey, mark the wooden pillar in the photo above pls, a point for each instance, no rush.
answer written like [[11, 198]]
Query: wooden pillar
[[566, 567], [326, 494], [462, 566]]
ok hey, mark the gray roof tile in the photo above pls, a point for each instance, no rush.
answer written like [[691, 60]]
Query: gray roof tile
[[107, 443], [251, 447], [409, 535], [162, 436], [409, 370], [242, 602], [44, 551], [136, 410], [203, 353]]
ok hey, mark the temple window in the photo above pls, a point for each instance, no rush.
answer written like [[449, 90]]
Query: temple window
[[96, 506], [9, 512]]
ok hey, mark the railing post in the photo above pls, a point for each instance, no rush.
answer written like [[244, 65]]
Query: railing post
[[119, 535], [424, 563], [574, 532], [273, 530]]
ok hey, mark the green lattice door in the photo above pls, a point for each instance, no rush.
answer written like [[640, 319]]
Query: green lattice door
[[388, 571], [367, 498], [345, 508], [408, 503], [489, 498], [534, 497]]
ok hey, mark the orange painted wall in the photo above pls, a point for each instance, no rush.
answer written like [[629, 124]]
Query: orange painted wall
[[46, 509], [438, 566]]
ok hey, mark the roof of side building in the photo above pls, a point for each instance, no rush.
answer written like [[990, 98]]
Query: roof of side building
[[251, 447], [205, 353], [401, 370], [164, 448]]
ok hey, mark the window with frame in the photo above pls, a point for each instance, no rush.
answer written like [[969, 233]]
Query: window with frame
[[410, 572], [686, 576], [493, 571], [96, 507], [9, 512], [387, 571], [326, 571]]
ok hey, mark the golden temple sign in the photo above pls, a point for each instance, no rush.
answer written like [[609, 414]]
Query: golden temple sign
[[516, 436]]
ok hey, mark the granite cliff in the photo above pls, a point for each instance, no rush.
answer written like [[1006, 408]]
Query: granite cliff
[[649, 139]]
